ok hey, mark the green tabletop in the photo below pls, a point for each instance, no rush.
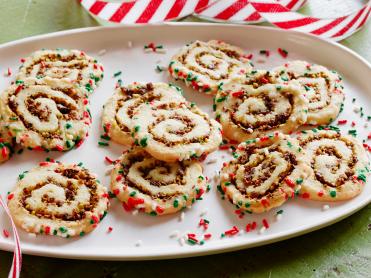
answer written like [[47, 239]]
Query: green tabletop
[[341, 250]]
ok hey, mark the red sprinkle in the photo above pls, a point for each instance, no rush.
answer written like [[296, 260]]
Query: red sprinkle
[[6, 233], [109, 229], [264, 138], [353, 123], [238, 94], [18, 89], [248, 227], [232, 231], [253, 225], [38, 148], [282, 52], [342, 122], [305, 195], [320, 193], [265, 202], [59, 148], [118, 178], [265, 223], [10, 196], [109, 160], [4, 152], [95, 219], [116, 191], [159, 209], [289, 182], [47, 230], [369, 136], [44, 163], [207, 236], [23, 60]]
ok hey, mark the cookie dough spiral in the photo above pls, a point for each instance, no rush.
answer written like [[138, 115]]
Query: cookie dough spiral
[[51, 114], [265, 174], [205, 66], [246, 112], [173, 131], [74, 65], [120, 109], [339, 165], [323, 89], [58, 199], [156, 187]]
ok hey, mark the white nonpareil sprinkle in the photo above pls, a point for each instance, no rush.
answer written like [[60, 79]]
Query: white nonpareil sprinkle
[[366, 125], [262, 230], [278, 217], [130, 44], [31, 235], [153, 206], [102, 52], [174, 234], [135, 212], [160, 50], [249, 130], [325, 207], [356, 109], [181, 216], [139, 243], [181, 241], [204, 212], [109, 171]]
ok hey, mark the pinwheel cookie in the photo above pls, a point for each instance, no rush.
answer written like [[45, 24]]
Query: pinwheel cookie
[[339, 165], [57, 199], [265, 174], [46, 113], [156, 187], [322, 87], [120, 109], [246, 112], [74, 65], [205, 66], [174, 131]]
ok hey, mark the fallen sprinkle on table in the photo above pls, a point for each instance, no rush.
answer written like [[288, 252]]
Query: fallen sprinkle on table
[[6, 233]]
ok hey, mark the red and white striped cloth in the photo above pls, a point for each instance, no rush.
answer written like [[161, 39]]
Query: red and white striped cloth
[[144, 11], [240, 11], [280, 13], [334, 28], [15, 270]]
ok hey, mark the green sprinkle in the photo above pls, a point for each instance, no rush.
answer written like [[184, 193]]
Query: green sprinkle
[[280, 211], [220, 85], [299, 181], [247, 205], [82, 233], [104, 144], [362, 177], [153, 213], [116, 74], [105, 137], [175, 203], [132, 194], [68, 125], [136, 128], [227, 183], [333, 194], [55, 232], [143, 142], [80, 164], [63, 229], [88, 87], [193, 104], [221, 99], [220, 189]]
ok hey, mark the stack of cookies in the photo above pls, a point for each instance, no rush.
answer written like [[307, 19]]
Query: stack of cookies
[[161, 173], [46, 107]]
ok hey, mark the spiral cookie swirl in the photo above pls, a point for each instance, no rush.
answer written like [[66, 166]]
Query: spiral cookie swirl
[[46, 113], [154, 186], [246, 112], [73, 65], [323, 89], [339, 165], [57, 199], [120, 109], [265, 174], [205, 66], [174, 131]]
